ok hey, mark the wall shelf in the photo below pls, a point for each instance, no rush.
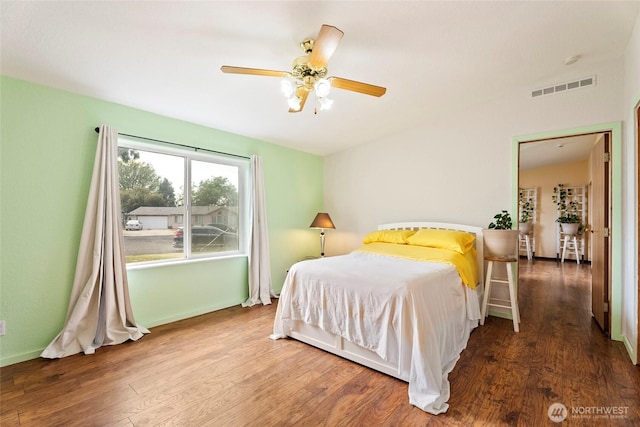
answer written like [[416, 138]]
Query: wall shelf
[[528, 195], [578, 195]]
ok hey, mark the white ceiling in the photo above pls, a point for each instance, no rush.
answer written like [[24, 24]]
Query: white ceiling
[[165, 57], [549, 152]]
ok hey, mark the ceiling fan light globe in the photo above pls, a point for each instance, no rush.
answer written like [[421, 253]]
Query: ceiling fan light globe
[[322, 87], [287, 87], [325, 103], [294, 103]]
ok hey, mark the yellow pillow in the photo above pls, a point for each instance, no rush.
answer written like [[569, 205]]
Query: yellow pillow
[[388, 236], [459, 241]]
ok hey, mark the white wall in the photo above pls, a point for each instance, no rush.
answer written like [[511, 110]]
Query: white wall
[[457, 168], [630, 193]]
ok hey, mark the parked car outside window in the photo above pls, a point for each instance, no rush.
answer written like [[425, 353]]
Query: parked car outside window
[[133, 224]]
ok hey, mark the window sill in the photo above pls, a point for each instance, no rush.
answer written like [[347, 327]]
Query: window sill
[[157, 264]]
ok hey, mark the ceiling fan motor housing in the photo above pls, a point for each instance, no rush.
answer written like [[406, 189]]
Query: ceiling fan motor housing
[[306, 74]]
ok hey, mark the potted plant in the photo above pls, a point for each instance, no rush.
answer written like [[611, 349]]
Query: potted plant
[[500, 240], [568, 215], [526, 211]]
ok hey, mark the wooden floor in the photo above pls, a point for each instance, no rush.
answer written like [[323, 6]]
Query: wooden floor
[[221, 369]]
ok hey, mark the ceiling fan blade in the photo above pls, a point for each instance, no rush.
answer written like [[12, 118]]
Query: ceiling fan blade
[[324, 46], [355, 86], [302, 94], [253, 71]]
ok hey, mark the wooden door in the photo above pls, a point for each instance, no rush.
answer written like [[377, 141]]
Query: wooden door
[[600, 232]]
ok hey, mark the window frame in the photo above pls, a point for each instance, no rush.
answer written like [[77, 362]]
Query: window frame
[[243, 188]]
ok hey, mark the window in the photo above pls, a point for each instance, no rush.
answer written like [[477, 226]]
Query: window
[[189, 204]]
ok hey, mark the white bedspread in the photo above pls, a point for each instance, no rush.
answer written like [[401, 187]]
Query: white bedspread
[[415, 314]]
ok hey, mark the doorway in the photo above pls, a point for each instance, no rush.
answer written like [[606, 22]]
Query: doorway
[[613, 262], [551, 172]]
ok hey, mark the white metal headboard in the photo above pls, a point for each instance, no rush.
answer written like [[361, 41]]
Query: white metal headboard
[[477, 231]]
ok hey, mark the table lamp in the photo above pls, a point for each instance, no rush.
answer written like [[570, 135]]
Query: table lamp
[[322, 221]]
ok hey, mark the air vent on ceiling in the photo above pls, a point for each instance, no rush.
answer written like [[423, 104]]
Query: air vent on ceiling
[[563, 87]]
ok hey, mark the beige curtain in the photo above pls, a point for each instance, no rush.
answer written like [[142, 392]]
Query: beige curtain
[[259, 263], [99, 310]]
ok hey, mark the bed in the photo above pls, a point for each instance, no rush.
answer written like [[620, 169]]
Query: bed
[[403, 304]]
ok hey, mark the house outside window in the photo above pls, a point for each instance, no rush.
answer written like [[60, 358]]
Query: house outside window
[[190, 204]]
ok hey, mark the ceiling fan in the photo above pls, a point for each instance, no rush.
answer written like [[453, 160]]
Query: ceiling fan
[[308, 73]]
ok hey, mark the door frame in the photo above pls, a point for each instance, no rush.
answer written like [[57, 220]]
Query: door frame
[[637, 171], [616, 204]]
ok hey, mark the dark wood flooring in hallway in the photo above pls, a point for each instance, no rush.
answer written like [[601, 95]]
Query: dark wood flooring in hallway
[[221, 369]]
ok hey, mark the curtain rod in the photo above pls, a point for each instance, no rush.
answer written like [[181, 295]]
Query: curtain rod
[[180, 145]]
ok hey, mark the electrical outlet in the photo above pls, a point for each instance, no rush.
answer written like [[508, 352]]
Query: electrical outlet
[[1, 327]]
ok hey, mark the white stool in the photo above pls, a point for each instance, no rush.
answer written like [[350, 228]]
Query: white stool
[[524, 238], [571, 239], [512, 302]]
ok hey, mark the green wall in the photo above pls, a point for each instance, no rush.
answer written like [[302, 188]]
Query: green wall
[[47, 148]]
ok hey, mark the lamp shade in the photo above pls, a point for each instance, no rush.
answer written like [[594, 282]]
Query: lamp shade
[[322, 88], [322, 220]]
